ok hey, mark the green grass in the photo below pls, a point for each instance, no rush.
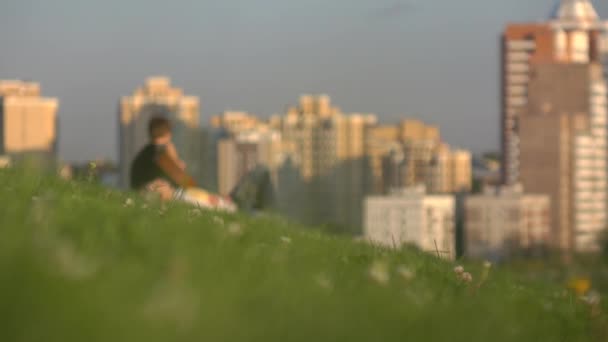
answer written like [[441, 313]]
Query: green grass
[[77, 264]]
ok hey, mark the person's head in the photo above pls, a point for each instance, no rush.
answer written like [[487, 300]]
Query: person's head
[[159, 130]]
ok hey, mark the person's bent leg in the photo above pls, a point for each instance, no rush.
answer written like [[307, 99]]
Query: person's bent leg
[[161, 188], [201, 198]]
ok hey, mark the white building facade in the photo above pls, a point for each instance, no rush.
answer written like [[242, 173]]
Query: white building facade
[[590, 173], [504, 220], [411, 216]]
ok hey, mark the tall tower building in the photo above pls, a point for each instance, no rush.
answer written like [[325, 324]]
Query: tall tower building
[[573, 34], [158, 98], [564, 150], [28, 121]]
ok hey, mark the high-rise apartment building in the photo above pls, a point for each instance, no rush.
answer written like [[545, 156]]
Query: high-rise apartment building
[[564, 150], [503, 221], [573, 34], [554, 119], [410, 216], [28, 121], [329, 150], [383, 146], [461, 175], [418, 156], [159, 98]]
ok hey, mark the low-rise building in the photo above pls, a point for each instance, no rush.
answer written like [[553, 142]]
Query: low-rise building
[[411, 216], [504, 221]]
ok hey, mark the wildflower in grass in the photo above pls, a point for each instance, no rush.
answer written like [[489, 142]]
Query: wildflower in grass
[[467, 277], [592, 298], [40, 211], [218, 220], [235, 229], [379, 272], [406, 273], [324, 282], [580, 285], [285, 239], [194, 212], [72, 264], [459, 270], [485, 273], [129, 202]]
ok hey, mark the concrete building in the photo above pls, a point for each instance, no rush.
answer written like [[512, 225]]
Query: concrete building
[[505, 221], [411, 216], [159, 98], [573, 34], [28, 121], [329, 150], [412, 153], [382, 142], [436, 165], [564, 150], [395, 171], [461, 175], [235, 122], [241, 153]]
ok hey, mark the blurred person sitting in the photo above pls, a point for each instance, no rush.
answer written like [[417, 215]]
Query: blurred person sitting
[[157, 169]]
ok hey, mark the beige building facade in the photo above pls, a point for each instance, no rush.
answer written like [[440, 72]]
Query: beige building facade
[[28, 121], [241, 153], [505, 221], [329, 150]]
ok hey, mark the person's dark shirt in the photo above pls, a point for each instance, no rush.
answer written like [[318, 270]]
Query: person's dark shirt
[[145, 169]]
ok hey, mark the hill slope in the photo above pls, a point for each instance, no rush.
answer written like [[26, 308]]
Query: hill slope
[[82, 263]]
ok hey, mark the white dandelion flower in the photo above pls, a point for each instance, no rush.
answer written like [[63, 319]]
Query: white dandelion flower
[[379, 273], [593, 298], [285, 239], [459, 270], [467, 277], [129, 202]]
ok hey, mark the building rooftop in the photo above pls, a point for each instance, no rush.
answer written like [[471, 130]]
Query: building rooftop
[[575, 10]]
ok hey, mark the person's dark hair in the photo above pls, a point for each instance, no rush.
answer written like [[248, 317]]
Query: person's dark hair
[[158, 127]]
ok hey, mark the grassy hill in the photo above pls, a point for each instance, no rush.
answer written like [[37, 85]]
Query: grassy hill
[[82, 263]]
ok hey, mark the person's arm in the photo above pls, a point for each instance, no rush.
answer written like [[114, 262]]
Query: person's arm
[[172, 152], [170, 167]]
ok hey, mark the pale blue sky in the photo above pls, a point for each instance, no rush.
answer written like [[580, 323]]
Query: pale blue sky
[[436, 60]]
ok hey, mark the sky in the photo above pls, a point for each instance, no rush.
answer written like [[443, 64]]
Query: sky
[[434, 60]]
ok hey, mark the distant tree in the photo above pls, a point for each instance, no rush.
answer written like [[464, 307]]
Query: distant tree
[[492, 156]]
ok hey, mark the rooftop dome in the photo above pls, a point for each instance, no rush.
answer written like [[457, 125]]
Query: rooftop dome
[[575, 10]]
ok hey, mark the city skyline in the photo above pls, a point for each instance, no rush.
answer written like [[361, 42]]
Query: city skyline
[[260, 59]]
